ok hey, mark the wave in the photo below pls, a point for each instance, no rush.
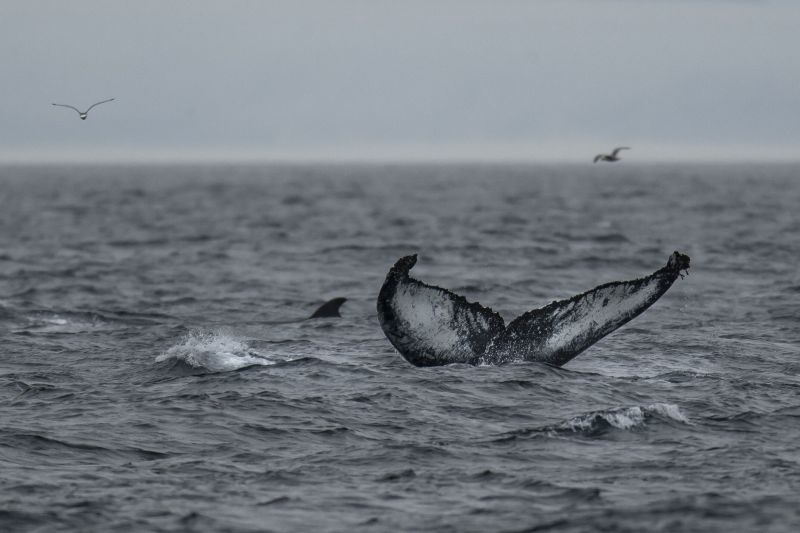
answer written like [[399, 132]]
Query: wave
[[624, 418], [64, 321], [46, 448], [596, 423], [215, 351]]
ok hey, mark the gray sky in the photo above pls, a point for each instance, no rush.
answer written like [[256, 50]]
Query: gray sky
[[381, 79]]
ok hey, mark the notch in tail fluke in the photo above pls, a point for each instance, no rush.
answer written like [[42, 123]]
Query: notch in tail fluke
[[329, 309]]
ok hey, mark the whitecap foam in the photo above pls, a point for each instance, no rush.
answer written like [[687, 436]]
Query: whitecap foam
[[216, 351], [63, 322], [669, 410], [55, 320], [624, 418]]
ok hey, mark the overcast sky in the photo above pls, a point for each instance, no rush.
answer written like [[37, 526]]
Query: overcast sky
[[429, 79]]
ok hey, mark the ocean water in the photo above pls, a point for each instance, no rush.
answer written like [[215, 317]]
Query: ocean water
[[147, 384]]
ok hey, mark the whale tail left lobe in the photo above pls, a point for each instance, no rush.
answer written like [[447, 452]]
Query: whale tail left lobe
[[432, 326]]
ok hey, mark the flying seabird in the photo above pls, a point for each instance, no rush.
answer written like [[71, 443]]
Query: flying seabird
[[83, 114], [610, 157]]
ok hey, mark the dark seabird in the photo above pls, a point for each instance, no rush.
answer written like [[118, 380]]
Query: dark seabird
[[83, 114], [610, 157]]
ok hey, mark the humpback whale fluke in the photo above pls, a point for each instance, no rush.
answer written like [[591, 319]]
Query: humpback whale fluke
[[84, 114], [613, 156], [329, 309], [432, 326]]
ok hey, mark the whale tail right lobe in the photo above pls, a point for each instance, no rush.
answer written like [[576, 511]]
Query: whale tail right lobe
[[560, 331]]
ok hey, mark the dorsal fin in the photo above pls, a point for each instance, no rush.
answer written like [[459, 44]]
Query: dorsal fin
[[329, 309]]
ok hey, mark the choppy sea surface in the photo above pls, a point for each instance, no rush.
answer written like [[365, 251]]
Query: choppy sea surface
[[147, 384]]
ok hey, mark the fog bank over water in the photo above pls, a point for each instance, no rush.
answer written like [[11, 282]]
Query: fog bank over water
[[355, 80], [413, 154]]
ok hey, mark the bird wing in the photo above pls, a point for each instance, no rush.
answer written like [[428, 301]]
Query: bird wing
[[69, 106], [616, 150], [98, 103], [598, 157]]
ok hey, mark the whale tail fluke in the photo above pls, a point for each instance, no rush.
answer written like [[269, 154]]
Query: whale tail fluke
[[329, 309], [433, 326]]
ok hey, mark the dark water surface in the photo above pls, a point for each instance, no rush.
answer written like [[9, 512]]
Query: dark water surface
[[144, 388]]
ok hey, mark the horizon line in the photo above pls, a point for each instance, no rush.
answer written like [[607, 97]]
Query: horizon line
[[290, 161], [479, 153]]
